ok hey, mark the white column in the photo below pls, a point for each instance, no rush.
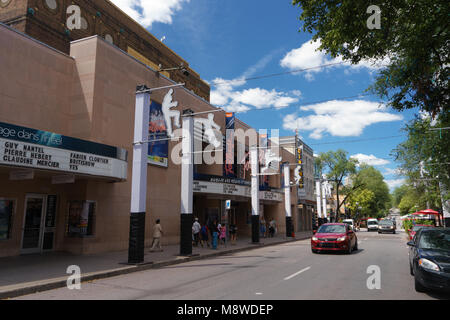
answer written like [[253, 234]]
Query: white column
[[254, 181], [287, 200], [139, 177], [255, 193], [324, 200], [187, 165], [319, 209], [140, 150], [187, 176], [287, 191]]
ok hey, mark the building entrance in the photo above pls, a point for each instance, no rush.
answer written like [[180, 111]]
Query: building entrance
[[39, 223]]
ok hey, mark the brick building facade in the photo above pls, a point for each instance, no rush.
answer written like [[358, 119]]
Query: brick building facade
[[46, 21]]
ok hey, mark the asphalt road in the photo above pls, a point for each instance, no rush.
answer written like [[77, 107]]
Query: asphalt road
[[283, 272]]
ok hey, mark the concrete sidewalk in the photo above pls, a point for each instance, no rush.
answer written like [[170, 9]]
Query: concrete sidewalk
[[27, 274]]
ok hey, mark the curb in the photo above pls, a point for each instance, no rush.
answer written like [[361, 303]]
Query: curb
[[45, 285]]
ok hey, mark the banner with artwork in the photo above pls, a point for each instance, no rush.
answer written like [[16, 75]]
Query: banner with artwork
[[158, 151], [263, 145], [229, 166]]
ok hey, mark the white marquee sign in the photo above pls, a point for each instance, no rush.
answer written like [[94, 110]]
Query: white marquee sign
[[20, 154]]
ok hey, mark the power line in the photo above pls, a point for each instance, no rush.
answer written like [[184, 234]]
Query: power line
[[278, 74], [304, 103], [358, 140]]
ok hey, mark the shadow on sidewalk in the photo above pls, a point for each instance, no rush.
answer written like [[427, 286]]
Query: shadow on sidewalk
[[32, 270]]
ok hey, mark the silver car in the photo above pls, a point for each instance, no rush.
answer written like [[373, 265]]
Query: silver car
[[386, 226]]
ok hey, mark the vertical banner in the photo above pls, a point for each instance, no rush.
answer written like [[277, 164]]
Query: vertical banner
[[229, 167], [158, 151], [299, 170], [263, 144]]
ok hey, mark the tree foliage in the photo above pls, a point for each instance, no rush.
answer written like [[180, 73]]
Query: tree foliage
[[414, 39], [425, 153], [359, 202], [417, 196], [336, 165], [373, 181], [398, 194]]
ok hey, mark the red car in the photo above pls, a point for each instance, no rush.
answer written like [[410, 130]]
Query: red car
[[334, 237], [416, 228]]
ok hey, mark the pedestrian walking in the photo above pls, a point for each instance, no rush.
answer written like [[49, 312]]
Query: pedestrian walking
[[214, 232], [223, 235], [262, 228], [157, 234], [196, 231], [204, 236], [272, 228], [233, 231]]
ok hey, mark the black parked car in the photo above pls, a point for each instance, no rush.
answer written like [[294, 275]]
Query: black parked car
[[429, 259]]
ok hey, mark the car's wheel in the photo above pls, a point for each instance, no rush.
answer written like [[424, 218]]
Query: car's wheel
[[356, 245], [418, 286], [411, 270]]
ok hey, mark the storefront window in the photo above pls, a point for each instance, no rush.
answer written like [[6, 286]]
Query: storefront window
[[6, 212], [81, 219]]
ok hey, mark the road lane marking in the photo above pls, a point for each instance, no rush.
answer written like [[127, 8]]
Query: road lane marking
[[258, 293], [297, 273]]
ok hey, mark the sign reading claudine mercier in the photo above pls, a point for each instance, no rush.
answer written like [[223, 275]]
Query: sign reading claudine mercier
[[25, 147]]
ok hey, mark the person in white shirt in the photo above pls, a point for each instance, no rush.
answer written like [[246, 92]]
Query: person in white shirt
[[196, 231], [157, 233]]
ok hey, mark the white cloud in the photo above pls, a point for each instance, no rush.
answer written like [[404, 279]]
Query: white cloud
[[394, 183], [146, 12], [339, 118], [225, 94], [371, 160], [392, 172], [309, 56]]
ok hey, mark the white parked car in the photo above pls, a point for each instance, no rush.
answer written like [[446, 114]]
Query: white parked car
[[350, 222], [372, 224]]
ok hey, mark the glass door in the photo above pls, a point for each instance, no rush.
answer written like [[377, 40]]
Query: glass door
[[33, 223]]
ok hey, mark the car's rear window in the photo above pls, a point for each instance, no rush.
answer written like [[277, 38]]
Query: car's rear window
[[333, 228], [386, 223], [372, 222]]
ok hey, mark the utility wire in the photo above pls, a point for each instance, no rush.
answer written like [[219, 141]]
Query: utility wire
[[277, 74], [310, 102], [358, 140]]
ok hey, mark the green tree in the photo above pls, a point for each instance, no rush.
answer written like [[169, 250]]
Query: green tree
[[413, 39], [336, 165], [398, 194], [373, 180], [409, 203], [359, 202], [424, 155], [415, 197]]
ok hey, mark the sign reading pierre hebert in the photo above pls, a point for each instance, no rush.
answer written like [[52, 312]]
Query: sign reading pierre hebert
[[26, 147]]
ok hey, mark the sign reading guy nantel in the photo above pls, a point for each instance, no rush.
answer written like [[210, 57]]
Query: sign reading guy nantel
[[26, 147]]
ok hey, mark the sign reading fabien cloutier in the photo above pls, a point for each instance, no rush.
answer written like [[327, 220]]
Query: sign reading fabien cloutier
[[26, 147]]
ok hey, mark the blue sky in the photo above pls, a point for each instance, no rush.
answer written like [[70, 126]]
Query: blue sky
[[229, 41]]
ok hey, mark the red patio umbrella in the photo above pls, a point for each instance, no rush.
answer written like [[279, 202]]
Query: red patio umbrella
[[428, 211]]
